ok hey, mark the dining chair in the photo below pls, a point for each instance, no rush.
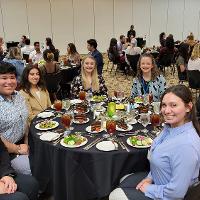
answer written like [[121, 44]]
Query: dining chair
[[194, 80], [167, 61], [133, 60]]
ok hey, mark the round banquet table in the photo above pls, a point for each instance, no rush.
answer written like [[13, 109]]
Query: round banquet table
[[78, 174]]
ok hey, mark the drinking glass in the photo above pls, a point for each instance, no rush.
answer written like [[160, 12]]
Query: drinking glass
[[150, 98], [145, 119], [110, 127], [66, 120], [120, 95], [111, 110], [146, 99], [58, 105], [82, 95], [155, 121], [156, 107], [89, 96]]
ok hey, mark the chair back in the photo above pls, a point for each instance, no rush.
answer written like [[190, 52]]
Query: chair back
[[53, 81], [133, 60], [26, 57], [56, 55], [167, 59], [193, 192], [194, 79]]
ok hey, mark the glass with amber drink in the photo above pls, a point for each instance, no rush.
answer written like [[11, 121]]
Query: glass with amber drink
[[150, 98], [58, 105], [82, 95], [66, 120], [111, 126], [155, 120]]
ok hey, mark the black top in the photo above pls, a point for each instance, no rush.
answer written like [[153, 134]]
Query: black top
[[131, 32]]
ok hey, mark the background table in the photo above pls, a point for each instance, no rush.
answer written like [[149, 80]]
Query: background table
[[77, 174]]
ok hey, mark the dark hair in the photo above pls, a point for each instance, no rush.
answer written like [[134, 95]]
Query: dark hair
[[161, 36], [24, 36], [36, 43], [25, 85], [7, 68], [131, 27], [154, 71], [27, 41], [48, 55], [121, 37], [113, 43], [50, 44], [169, 42], [185, 95], [183, 51], [72, 48], [92, 42]]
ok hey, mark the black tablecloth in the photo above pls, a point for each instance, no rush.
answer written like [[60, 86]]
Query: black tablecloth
[[77, 174]]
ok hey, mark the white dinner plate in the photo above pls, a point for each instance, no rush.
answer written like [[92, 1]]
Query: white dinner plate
[[141, 123], [138, 146], [75, 101], [73, 146], [128, 129], [76, 112], [149, 112], [88, 129], [106, 146], [37, 126], [45, 114], [83, 122], [133, 121], [49, 136]]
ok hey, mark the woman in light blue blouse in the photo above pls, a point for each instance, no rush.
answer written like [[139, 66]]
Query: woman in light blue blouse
[[148, 79], [174, 155]]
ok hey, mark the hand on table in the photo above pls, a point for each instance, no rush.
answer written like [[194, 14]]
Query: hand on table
[[7, 185]]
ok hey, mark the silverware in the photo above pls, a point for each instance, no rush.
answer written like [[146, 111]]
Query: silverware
[[55, 142], [89, 146]]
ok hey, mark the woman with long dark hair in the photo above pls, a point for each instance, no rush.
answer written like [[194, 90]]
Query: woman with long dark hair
[[73, 57], [113, 52], [34, 90], [174, 155]]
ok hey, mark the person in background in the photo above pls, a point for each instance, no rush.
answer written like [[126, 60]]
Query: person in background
[[92, 48], [182, 61], [131, 32], [174, 155], [162, 39], [73, 57], [34, 91], [15, 58], [194, 61], [49, 45], [2, 49], [148, 79], [22, 41], [27, 49], [113, 52], [36, 55], [13, 119], [89, 80], [15, 186]]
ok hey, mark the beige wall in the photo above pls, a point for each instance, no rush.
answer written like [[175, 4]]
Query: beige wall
[[78, 20]]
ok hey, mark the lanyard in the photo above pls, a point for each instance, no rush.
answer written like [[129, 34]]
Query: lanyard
[[145, 86]]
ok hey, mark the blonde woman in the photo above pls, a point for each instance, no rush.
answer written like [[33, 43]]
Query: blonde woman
[[194, 61], [88, 80], [14, 57]]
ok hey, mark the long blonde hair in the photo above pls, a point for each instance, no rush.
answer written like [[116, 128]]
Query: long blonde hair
[[196, 52], [95, 79], [15, 53]]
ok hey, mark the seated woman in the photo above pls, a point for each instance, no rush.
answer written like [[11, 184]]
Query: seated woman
[[14, 185], [148, 79], [34, 91], [88, 80], [182, 61], [14, 57], [194, 61], [172, 168], [73, 57], [113, 54]]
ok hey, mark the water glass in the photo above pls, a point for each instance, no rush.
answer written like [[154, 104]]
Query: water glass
[[145, 119], [66, 103]]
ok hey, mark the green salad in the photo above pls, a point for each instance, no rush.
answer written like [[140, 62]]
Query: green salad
[[74, 140], [47, 124], [140, 140], [99, 98]]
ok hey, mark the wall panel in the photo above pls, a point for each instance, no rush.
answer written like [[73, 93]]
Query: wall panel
[[1, 23], [191, 18], [158, 20], [175, 19], [104, 26], [14, 19], [141, 18], [39, 19], [83, 23], [62, 23], [122, 17]]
